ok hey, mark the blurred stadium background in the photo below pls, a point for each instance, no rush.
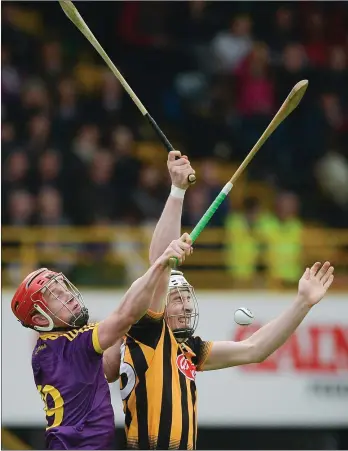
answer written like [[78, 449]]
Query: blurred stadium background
[[84, 180]]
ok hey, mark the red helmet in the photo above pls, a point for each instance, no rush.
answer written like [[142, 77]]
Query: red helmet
[[29, 299]]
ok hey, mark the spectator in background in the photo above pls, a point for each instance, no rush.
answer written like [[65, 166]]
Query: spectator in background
[[35, 101], [10, 79], [195, 205], [315, 39], [230, 47], [50, 174], [76, 168], [197, 19], [282, 234], [51, 64], [259, 240], [143, 26], [293, 68], [255, 90], [122, 142], [111, 98], [331, 173], [50, 169], [16, 176], [244, 241], [39, 135], [255, 101], [336, 74], [334, 117], [127, 167], [16, 172], [104, 104], [98, 196], [67, 112], [8, 140], [283, 30], [86, 143], [67, 97], [50, 211], [151, 193], [20, 210]]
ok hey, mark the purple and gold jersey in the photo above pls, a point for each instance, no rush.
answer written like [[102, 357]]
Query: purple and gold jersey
[[68, 373]]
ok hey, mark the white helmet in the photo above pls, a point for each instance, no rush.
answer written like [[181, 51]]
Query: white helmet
[[178, 282]]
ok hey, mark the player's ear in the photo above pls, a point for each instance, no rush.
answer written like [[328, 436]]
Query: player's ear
[[40, 320]]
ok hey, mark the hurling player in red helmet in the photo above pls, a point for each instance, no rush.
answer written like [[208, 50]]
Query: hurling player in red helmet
[[69, 360], [47, 301]]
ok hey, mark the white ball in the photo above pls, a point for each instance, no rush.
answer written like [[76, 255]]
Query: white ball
[[243, 316]]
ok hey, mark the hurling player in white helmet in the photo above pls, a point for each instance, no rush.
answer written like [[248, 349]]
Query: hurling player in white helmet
[[161, 355], [181, 312]]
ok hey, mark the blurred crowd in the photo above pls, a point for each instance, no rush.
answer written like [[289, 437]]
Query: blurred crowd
[[211, 73]]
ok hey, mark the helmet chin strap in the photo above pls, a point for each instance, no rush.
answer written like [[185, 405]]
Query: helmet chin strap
[[81, 321], [182, 334], [49, 319]]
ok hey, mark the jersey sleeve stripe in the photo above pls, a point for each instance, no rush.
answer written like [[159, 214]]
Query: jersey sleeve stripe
[[95, 340]]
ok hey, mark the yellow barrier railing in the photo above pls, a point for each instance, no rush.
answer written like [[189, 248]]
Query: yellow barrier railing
[[10, 441], [97, 251]]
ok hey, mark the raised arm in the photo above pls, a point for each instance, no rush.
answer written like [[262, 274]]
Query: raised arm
[[168, 227], [139, 296], [312, 288]]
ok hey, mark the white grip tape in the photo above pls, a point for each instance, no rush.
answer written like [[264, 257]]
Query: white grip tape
[[227, 188]]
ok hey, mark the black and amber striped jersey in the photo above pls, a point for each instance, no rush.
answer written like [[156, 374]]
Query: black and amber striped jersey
[[158, 385]]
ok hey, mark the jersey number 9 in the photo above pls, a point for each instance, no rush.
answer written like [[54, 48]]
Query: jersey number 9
[[57, 411]]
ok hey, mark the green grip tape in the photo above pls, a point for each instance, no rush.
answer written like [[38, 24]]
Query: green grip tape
[[202, 223]]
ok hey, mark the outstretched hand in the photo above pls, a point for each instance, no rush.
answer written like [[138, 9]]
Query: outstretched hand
[[315, 282]]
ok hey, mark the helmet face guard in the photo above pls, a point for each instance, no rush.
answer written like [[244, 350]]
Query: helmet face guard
[[60, 283], [34, 293], [180, 291]]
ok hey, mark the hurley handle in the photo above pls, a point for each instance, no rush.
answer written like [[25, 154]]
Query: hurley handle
[[191, 178], [202, 223]]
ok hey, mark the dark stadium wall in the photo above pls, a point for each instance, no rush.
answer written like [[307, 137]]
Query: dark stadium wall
[[233, 438]]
